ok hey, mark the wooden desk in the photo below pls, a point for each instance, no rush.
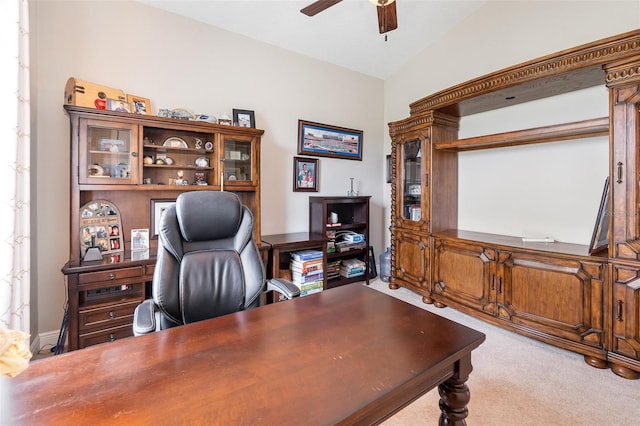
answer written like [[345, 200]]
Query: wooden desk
[[349, 355]]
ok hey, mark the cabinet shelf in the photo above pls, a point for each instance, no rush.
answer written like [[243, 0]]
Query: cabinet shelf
[[176, 167], [553, 133], [161, 148]]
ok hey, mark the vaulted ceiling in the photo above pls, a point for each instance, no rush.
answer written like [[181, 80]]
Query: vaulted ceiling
[[345, 34]]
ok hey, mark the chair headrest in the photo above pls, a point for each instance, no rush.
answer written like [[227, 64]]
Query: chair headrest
[[208, 215]]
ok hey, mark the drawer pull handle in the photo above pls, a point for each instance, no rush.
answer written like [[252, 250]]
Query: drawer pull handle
[[112, 337], [112, 276], [619, 180], [112, 314], [619, 310]]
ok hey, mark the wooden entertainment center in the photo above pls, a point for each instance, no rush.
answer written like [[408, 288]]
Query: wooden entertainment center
[[557, 292]]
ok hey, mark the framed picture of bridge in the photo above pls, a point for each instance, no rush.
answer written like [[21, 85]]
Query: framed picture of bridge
[[323, 140]]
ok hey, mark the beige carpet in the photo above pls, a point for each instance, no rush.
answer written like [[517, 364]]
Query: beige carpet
[[519, 381]]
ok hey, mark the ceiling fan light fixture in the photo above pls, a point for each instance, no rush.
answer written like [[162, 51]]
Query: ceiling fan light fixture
[[381, 2]]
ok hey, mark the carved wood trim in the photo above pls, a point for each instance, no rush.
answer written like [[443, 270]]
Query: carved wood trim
[[623, 72], [590, 55]]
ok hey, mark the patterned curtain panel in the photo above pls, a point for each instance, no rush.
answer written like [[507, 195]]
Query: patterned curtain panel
[[14, 166]]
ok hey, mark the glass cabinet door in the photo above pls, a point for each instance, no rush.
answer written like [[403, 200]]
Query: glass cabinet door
[[238, 163], [109, 155], [411, 183]]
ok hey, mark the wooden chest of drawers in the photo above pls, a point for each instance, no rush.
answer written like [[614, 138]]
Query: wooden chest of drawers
[[102, 298]]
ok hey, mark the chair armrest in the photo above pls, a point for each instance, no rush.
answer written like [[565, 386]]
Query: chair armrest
[[284, 287], [144, 318]]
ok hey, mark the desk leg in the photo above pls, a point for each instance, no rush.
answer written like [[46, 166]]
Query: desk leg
[[455, 395]]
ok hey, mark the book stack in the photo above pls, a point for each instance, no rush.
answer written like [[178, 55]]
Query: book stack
[[350, 268], [331, 241], [307, 272], [333, 269]]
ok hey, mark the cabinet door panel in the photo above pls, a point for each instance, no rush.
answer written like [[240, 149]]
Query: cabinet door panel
[[560, 297], [626, 312], [410, 260], [109, 152], [464, 273], [625, 196]]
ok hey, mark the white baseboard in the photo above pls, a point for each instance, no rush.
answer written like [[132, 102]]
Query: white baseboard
[[45, 341]]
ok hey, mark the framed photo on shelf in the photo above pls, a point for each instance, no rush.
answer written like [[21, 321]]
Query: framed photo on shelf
[[158, 206], [323, 140], [600, 237], [139, 105], [118, 105], [305, 174], [244, 118], [100, 226], [139, 239]]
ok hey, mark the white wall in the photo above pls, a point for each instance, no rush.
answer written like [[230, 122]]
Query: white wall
[[177, 62], [550, 189]]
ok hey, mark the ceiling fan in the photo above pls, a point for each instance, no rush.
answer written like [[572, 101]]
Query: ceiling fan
[[387, 17]]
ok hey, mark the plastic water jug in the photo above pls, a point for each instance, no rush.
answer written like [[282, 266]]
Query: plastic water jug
[[385, 265]]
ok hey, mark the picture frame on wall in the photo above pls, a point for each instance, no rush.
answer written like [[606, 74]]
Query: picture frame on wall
[[244, 118], [600, 237], [305, 174], [324, 140], [139, 105], [158, 206]]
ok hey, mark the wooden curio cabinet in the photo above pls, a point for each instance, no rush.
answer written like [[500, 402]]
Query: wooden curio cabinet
[[135, 161], [559, 293], [412, 203]]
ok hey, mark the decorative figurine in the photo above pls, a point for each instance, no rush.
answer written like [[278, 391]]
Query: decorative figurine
[[180, 179]]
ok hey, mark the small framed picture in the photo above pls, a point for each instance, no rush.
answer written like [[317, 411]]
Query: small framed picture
[[600, 237], [118, 105], [244, 118], [158, 206], [305, 174], [139, 239], [139, 105]]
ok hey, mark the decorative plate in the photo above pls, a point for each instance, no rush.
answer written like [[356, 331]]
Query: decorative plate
[[202, 162], [96, 170], [175, 142], [208, 146]]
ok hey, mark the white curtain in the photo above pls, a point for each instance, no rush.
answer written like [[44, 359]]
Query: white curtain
[[15, 143]]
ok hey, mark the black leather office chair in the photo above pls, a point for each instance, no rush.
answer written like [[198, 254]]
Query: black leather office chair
[[208, 263]]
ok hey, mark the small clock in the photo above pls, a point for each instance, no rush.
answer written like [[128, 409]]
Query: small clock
[[208, 146]]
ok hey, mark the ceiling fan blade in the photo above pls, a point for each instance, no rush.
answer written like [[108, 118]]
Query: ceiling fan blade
[[318, 6], [387, 18]]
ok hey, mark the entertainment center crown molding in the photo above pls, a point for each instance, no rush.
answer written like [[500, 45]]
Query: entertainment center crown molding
[[556, 292]]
